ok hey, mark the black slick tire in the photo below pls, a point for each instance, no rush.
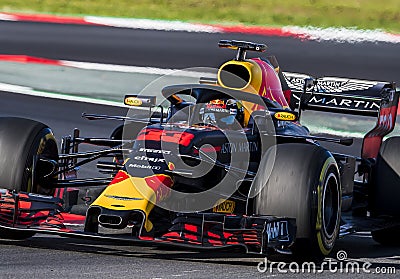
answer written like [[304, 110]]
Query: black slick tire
[[20, 140], [304, 183]]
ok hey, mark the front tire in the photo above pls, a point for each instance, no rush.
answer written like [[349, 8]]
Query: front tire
[[304, 184], [20, 140]]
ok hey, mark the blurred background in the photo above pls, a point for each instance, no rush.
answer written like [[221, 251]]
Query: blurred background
[[364, 14]]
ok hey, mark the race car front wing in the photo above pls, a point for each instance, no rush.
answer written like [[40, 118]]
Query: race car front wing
[[257, 234]]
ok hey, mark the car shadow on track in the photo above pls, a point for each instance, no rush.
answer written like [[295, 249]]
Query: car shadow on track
[[359, 249], [235, 256]]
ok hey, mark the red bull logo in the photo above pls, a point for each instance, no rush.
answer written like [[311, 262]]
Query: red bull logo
[[216, 104]]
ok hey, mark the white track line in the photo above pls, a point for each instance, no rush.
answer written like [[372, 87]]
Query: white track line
[[337, 34], [137, 69], [32, 92], [343, 35], [149, 24], [8, 17]]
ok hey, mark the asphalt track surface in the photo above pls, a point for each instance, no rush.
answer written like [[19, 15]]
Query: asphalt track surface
[[49, 257]]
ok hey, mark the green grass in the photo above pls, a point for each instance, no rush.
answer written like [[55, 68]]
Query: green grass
[[365, 14]]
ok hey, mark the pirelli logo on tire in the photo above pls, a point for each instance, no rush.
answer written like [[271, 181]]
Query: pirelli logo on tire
[[226, 206]]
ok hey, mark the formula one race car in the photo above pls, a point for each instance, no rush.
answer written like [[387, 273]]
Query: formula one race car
[[226, 164]]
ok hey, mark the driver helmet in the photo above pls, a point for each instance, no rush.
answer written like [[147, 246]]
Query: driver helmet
[[222, 113]]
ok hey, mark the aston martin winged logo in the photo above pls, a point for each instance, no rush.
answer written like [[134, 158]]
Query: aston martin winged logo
[[328, 84]]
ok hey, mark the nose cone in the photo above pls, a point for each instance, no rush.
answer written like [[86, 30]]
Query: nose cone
[[126, 193]]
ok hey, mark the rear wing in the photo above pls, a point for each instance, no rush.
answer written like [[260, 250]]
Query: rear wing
[[343, 95], [349, 96]]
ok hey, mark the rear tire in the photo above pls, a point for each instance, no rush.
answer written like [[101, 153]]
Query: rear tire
[[20, 140], [304, 184]]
